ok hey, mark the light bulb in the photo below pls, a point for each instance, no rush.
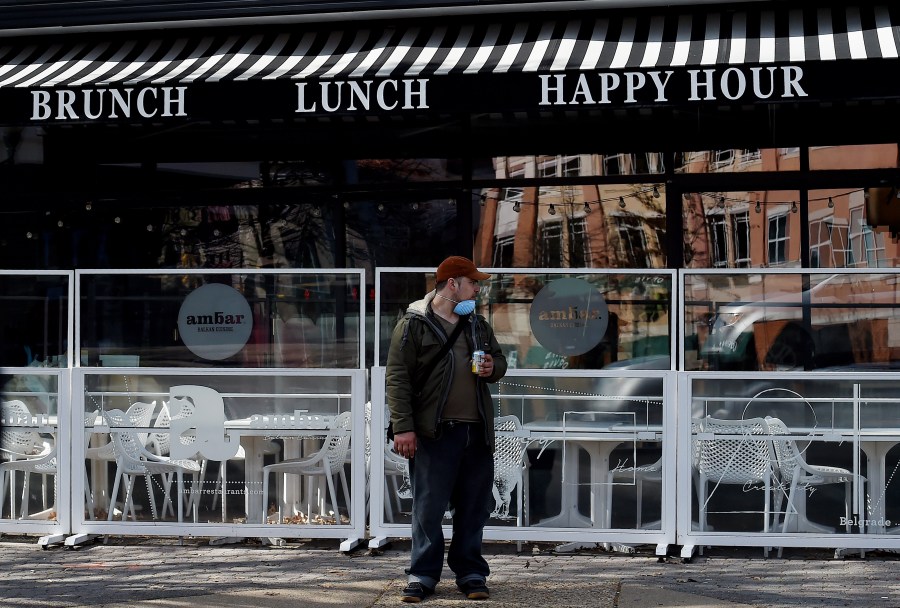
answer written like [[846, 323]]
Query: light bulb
[[622, 202], [793, 206], [587, 207], [552, 209], [516, 206], [655, 192], [758, 207], [830, 203]]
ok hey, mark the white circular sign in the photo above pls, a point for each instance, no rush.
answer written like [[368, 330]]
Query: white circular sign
[[215, 321]]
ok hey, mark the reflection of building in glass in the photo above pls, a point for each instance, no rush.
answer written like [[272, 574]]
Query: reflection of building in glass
[[541, 220], [757, 229]]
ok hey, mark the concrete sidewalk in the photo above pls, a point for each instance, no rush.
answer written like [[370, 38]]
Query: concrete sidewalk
[[157, 572]]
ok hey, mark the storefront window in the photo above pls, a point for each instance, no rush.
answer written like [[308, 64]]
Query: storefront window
[[574, 226], [371, 171], [410, 230], [869, 156], [741, 229], [788, 321], [740, 160]]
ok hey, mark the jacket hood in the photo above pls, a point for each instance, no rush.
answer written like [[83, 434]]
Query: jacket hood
[[420, 307]]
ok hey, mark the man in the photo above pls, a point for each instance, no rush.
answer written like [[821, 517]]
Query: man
[[443, 422]]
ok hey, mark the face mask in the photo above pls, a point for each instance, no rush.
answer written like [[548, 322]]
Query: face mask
[[466, 307]]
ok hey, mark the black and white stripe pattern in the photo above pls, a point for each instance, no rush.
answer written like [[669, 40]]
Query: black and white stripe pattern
[[589, 42]]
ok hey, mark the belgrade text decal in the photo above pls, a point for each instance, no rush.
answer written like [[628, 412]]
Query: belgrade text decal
[[603, 88], [96, 104]]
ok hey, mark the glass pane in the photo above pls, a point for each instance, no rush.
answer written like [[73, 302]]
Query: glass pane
[[540, 324], [399, 170], [741, 229], [412, 231], [852, 228], [240, 320], [738, 160], [601, 429], [549, 166], [35, 320], [29, 425], [791, 321], [225, 434], [564, 226], [868, 156], [781, 455]]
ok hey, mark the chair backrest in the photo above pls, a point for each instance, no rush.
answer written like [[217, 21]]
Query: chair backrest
[[745, 459], [786, 451], [337, 444], [509, 450], [18, 442], [159, 442], [129, 443]]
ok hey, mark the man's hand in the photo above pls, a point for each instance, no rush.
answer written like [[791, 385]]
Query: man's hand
[[487, 366], [405, 444]]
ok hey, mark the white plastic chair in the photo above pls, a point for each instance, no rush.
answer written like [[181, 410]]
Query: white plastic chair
[[327, 462], [745, 459], [794, 470], [395, 466], [509, 466], [133, 459], [25, 451], [139, 414]]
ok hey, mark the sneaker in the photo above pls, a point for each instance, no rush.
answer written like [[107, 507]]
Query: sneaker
[[474, 590], [416, 592]]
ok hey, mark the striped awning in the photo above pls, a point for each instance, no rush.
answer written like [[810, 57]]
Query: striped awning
[[578, 42]]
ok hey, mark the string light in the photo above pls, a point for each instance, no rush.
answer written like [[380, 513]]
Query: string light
[[87, 206], [622, 202], [587, 207], [758, 206], [830, 203], [483, 199], [721, 202], [516, 206], [552, 209], [655, 192], [793, 207]]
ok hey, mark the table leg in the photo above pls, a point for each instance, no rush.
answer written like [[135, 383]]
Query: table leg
[[569, 515]]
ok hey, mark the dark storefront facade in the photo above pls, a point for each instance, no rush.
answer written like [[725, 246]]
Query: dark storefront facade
[[723, 174]]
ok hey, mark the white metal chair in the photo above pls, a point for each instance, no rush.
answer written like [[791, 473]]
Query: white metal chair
[[745, 458], [794, 470], [139, 414], [133, 459], [25, 451], [509, 466], [327, 462]]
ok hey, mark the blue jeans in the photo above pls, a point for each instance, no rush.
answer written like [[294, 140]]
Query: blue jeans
[[455, 469]]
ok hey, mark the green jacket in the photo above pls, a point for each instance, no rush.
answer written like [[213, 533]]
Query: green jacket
[[417, 338]]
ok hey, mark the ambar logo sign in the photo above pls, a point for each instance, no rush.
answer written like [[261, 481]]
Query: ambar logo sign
[[215, 321], [569, 317]]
